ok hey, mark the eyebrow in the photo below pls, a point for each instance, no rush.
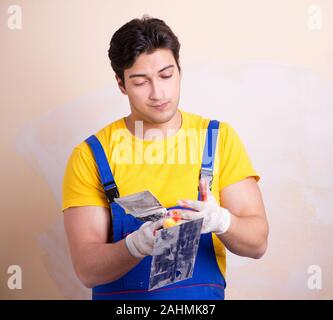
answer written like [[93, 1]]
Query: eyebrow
[[145, 75]]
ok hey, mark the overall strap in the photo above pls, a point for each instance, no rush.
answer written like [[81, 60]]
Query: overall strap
[[109, 185], [207, 166]]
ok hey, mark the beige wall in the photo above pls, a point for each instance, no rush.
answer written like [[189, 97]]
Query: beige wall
[[255, 64]]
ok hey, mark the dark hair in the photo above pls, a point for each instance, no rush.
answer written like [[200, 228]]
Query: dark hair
[[140, 36]]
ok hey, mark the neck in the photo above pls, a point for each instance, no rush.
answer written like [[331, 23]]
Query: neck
[[167, 129]]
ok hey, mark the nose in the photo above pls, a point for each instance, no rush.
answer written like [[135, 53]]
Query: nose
[[157, 92]]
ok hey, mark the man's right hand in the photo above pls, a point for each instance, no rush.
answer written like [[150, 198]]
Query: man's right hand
[[140, 243]]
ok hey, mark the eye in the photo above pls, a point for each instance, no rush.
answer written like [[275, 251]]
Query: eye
[[139, 84], [166, 77]]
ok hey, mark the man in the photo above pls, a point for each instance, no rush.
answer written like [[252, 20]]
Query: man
[[145, 57]]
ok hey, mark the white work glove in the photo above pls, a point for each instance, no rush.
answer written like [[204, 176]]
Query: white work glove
[[216, 218], [140, 243]]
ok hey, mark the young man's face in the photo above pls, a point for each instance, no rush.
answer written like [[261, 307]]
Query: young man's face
[[153, 80]]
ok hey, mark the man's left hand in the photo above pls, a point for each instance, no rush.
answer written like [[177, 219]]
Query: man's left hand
[[216, 218]]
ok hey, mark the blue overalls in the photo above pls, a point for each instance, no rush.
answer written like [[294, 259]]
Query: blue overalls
[[207, 281]]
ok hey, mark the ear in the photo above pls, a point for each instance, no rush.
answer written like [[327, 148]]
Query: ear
[[120, 85]]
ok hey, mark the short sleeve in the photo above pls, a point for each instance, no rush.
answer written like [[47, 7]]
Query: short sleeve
[[81, 183], [235, 163]]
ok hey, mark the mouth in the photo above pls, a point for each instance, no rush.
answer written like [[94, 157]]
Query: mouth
[[161, 106]]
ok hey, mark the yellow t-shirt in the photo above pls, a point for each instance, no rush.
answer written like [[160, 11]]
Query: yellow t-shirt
[[168, 167]]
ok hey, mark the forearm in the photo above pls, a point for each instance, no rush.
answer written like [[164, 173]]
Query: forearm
[[97, 264], [246, 236]]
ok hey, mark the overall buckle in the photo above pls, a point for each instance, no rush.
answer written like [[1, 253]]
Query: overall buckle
[[111, 191]]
